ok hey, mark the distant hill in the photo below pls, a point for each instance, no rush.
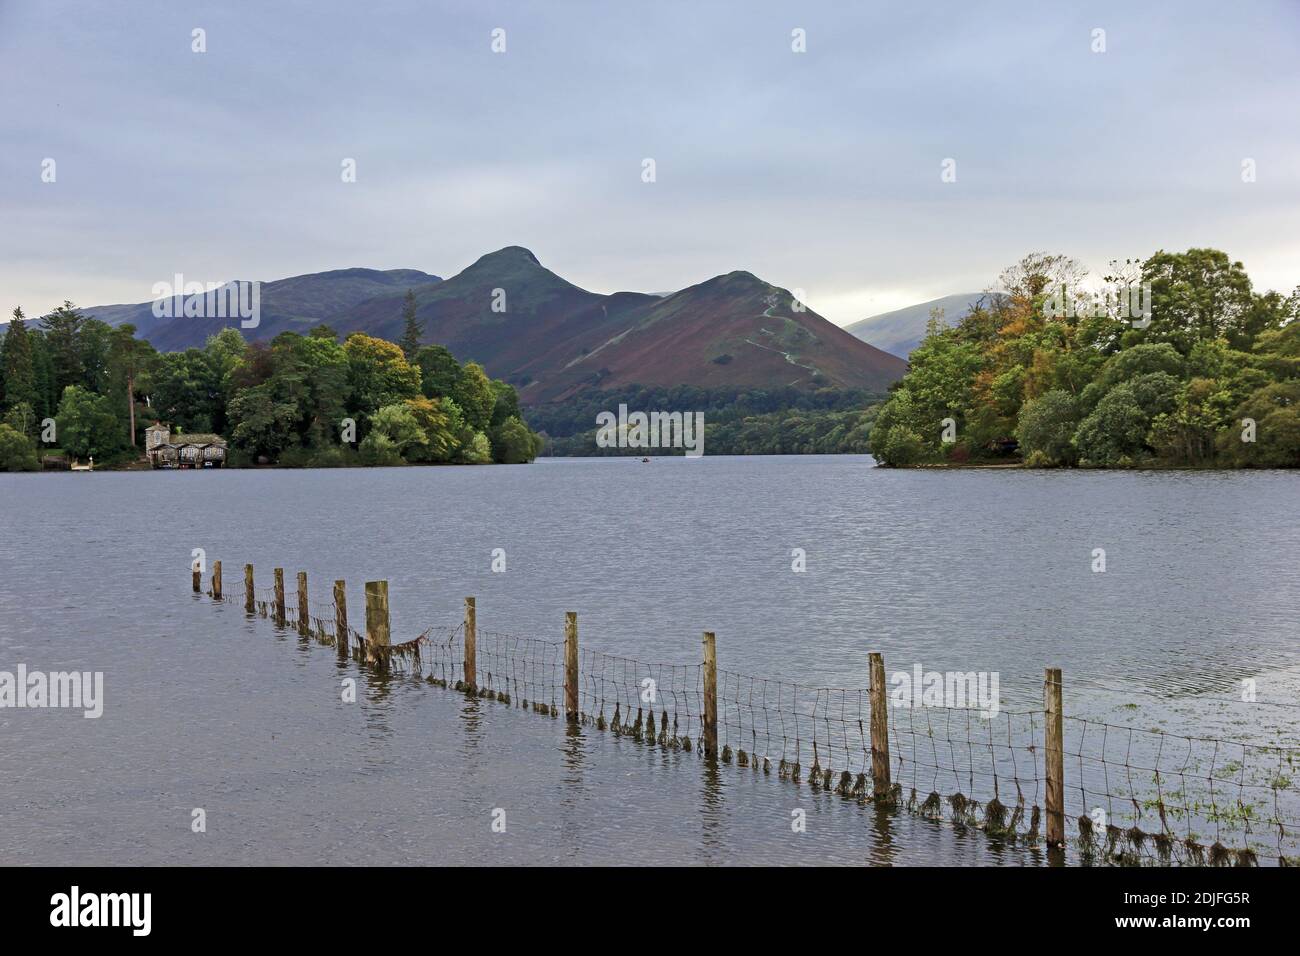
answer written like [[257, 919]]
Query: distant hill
[[902, 330], [552, 339], [295, 304]]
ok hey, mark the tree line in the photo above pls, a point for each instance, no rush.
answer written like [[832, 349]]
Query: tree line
[[299, 400], [1207, 376], [744, 421]]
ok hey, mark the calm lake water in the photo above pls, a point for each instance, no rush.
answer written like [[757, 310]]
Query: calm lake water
[[955, 570]]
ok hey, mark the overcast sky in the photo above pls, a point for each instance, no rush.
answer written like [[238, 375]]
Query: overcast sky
[[818, 170]]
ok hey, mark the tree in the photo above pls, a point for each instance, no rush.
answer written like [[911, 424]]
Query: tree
[[1115, 433], [478, 451], [1047, 426], [439, 371], [1186, 435], [17, 452], [473, 393], [397, 424], [378, 374], [439, 438], [86, 424], [378, 450], [1197, 294], [413, 330], [513, 443], [898, 446], [225, 350], [18, 371], [63, 329], [311, 373], [1265, 431], [128, 356], [507, 403], [187, 391], [22, 419], [95, 355], [263, 426]]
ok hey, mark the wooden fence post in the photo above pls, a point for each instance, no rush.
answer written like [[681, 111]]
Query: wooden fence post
[[279, 597], [570, 665], [710, 695], [341, 635], [377, 634], [216, 580], [879, 727], [471, 644], [1055, 757], [248, 588], [304, 613]]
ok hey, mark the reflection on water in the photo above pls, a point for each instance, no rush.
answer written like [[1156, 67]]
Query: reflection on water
[[955, 570]]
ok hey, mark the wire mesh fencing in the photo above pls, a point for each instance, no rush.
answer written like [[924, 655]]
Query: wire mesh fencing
[[1127, 795]]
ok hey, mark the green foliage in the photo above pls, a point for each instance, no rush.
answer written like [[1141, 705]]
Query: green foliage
[[1099, 390], [1197, 295], [263, 425], [397, 425], [513, 444], [285, 402], [187, 392], [900, 446], [17, 368], [474, 394], [737, 421], [87, 425], [288, 402], [412, 329], [378, 450], [22, 419], [1046, 428], [17, 451], [1116, 431], [507, 403], [786, 432], [439, 371], [378, 374], [439, 439], [478, 451], [1275, 411]]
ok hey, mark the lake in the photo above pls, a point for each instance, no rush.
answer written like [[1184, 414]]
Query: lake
[[954, 570]]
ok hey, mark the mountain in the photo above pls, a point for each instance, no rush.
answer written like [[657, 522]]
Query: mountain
[[508, 312], [902, 330], [732, 331], [295, 304], [552, 339]]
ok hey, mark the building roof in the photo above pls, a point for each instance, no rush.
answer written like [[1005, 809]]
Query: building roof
[[196, 438]]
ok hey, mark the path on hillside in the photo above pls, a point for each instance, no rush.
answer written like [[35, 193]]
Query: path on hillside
[[767, 314]]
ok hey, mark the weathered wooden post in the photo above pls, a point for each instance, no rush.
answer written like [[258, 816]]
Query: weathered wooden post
[[304, 614], [279, 597], [216, 580], [1055, 756], [710, 695], [198, 577], [471, 644], [879, 727], [570, 665], [341, 636], [248, 588], [377, 634]]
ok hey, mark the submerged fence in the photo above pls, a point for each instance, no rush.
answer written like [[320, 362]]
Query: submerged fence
[[1117, 794]]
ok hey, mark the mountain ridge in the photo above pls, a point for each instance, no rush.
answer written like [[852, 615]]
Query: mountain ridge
[[553, 339], [901, 330]]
